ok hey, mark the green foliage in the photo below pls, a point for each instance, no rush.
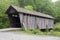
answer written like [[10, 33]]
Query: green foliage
[[55, 33], [38, 5], [4, 4], [57, 26], [52, 31], [28, 7], [47, 30], [4, 22], [28, 31], [37, 31]]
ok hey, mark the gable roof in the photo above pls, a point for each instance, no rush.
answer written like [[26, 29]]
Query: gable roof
[[19, 9]]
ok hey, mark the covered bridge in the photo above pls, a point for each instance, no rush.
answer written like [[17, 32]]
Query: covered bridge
[[20, 17]]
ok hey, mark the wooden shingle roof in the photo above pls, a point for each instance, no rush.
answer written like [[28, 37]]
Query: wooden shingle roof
[[19, 9]]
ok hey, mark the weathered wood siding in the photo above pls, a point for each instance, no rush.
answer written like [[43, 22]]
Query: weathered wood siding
[[42, 23], [11, 11], [46, 23], [21, 18], [31, 22], [38, 22], [25, 20], [51, 24]]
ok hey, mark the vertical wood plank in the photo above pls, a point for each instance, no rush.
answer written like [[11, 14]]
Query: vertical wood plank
[[25, 21], [21, 17], [31, 22]]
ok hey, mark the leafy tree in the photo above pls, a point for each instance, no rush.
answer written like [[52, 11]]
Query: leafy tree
[[44, 6], [4, 4], [28, 7]]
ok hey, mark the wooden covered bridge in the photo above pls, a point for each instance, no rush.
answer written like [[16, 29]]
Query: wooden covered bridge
[[20, 17]]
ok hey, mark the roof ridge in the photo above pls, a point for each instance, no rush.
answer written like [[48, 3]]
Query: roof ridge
[[20, 9]]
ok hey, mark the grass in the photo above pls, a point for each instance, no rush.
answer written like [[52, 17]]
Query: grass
[[38, 32], [55, 33], [57, 26]]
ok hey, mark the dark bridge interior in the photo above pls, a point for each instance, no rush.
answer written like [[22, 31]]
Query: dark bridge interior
[[14, 20]]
